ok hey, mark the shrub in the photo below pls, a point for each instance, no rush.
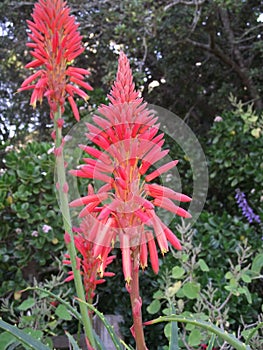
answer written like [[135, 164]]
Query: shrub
[[31, 228]]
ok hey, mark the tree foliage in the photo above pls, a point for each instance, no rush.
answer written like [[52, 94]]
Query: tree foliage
[[188, 55]]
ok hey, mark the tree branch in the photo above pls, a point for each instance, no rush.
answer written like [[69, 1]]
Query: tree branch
[[239, 67], [16, 5]]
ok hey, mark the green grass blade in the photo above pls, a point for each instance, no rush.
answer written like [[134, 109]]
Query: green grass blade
[[22, 337]]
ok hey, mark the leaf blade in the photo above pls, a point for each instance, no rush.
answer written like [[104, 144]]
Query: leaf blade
[[22, 337]]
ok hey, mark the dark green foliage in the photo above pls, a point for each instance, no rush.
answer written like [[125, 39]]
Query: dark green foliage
[[234, 161], [28, 202], [220, 237]]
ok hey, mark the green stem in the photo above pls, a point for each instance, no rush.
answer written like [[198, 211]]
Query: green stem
[[136, 303], [229, 338], [64, 206]]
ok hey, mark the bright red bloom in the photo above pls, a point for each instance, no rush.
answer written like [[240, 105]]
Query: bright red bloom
[[126, 134], [92, 268], [56, 42]]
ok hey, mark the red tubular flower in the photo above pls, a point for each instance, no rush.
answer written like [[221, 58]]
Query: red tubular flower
[[127, 134], [90, 266], [56, 42]]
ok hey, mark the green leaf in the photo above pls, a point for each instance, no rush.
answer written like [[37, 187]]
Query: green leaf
[[99, 343], [27, 304], [33, 333], [253, 331], [22, 215], [189, 327], [72, 342], [256, 132], [167, 330], [253, 119], [6, 340], [185, 257], [247, 294], [172, 290], [191, 290], [216, 139], [62, 301], [228, 275], [246, 333], [203, 265], [246, 278], [43, 295], [257, 264], [166, 311], [234, 182], [22, 337], [37, 334], [158, 294], [177, 272], [154, 306], [62, 313], [195, 337], [211, 342]]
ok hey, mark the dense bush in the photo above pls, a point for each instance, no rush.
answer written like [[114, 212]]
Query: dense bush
[[234, 161], [31, 231]]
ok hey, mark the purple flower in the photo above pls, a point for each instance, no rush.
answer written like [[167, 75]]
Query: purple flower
[[247, 211]]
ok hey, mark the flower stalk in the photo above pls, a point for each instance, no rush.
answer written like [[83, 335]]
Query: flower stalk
[[128, 144], [136, 303], [62, 188], [55, 42]]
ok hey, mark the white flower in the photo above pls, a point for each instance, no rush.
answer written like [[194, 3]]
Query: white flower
[[51, 150], [46, 228], [218, 119], [34, 234], [9, 148]]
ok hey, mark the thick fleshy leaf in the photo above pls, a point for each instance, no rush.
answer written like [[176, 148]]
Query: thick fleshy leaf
[[229, 338], [22, 337]]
